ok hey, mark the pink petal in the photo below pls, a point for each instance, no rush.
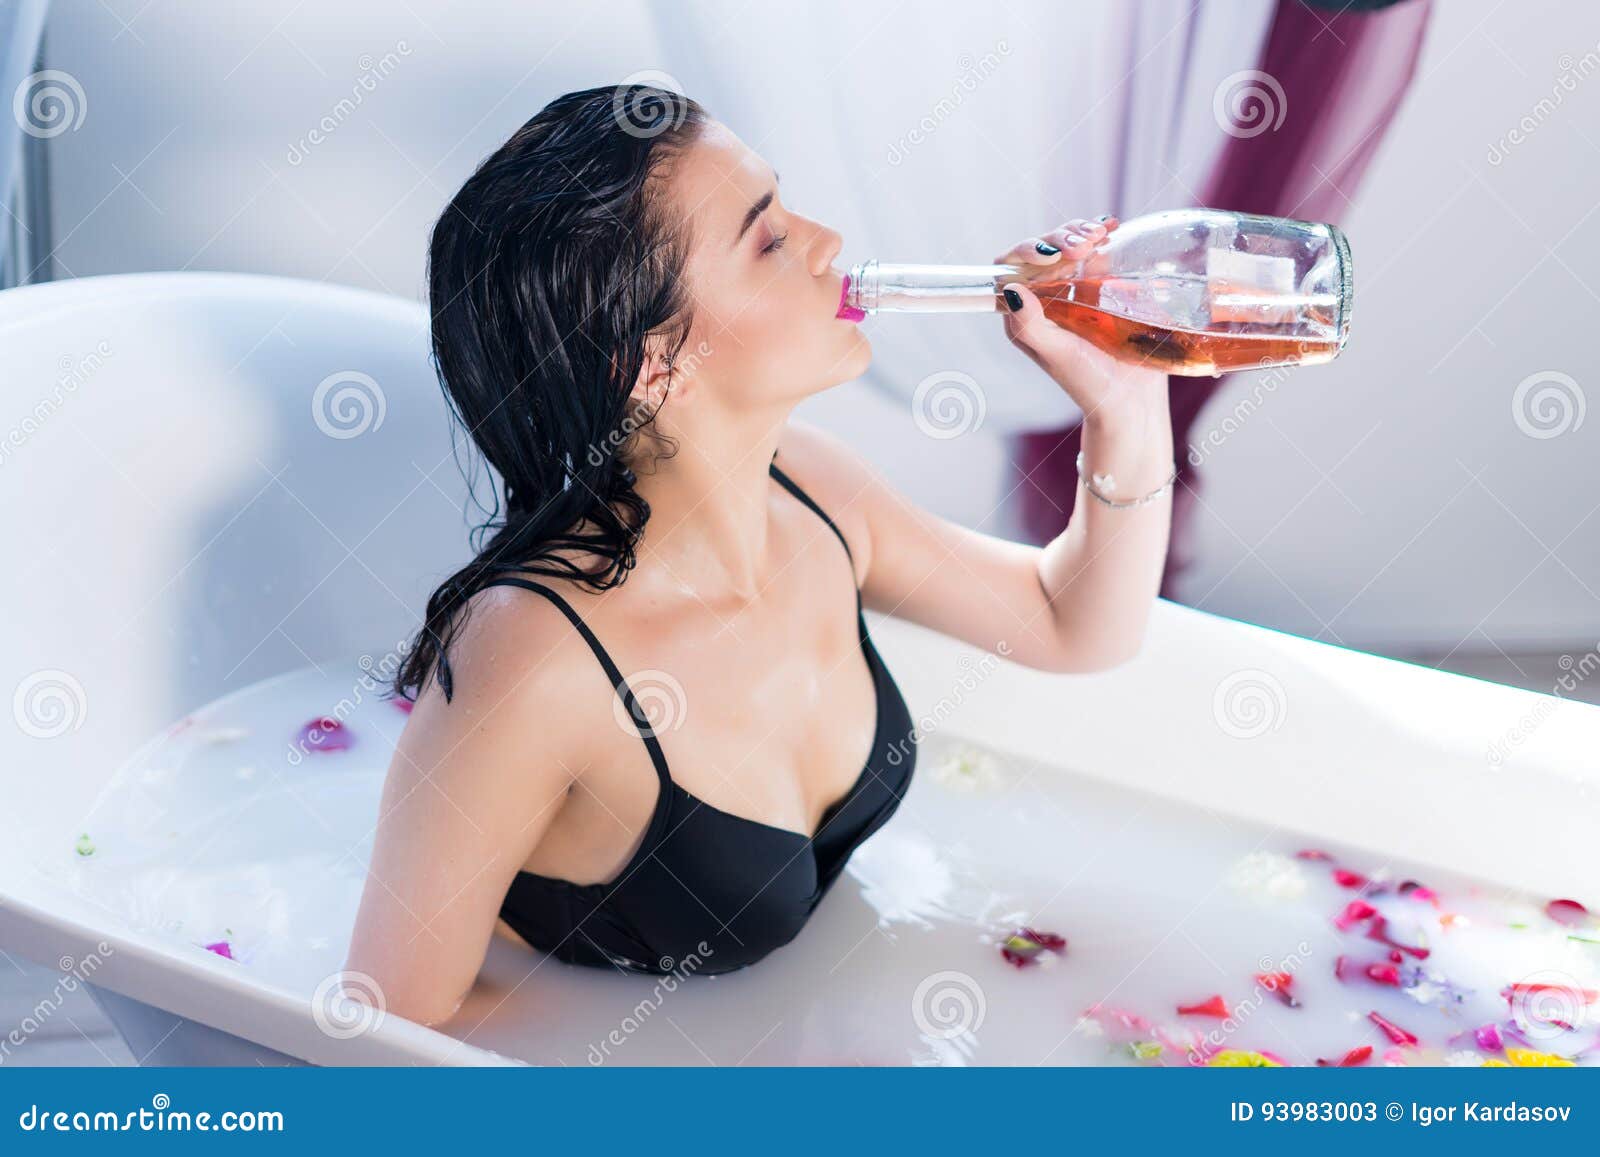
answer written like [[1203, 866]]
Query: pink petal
[[1119, 1018], [1379, 930], [221, 949], [1356, 1056], [325, 734], [403, 704], [1568, 912], [1354, 912], [1215, 1006], [1025, 945], [1312, 854], [1348, 879], [1391, 1030], [1417, 892], [1523, 991], [1488, 1038], [1278, 983], [1384, 974]]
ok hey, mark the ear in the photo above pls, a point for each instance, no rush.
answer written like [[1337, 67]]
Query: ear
[[656, 375]]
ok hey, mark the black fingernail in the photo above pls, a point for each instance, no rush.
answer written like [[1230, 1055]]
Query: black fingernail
[[1104, 217], [1045, 247], [1013, 300]]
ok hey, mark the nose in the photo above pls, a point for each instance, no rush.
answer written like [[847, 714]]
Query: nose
[[824, 249]]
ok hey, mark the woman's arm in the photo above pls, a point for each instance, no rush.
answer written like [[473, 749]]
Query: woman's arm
[[470, 792], [1081, 602]]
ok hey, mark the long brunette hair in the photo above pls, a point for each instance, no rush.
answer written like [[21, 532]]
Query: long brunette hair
[[547, 272]]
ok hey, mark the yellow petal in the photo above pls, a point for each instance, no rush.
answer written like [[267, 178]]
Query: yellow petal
[[1531, 1058], [1243, 1059]]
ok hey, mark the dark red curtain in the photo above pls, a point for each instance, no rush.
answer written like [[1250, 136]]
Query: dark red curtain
[[1343, 74]]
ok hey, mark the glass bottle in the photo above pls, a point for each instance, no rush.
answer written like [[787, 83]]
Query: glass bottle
[[1189, 291]]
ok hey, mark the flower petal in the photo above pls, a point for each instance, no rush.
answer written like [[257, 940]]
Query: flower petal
[[1215, 1006], [1532, 1058], [1243, 1059], [1568, 912], [1379, 930], [1354, 912], [325, 733], [1023, 946], [1391, 1030], [1356, 1056], [1384, 974]]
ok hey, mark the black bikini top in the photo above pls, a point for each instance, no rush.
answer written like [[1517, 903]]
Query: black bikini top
[[703, 875]]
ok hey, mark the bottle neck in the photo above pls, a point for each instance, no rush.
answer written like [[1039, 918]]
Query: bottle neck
[[883, 287]]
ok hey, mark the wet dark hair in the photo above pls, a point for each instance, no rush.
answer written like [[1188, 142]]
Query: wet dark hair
[[547, 272]]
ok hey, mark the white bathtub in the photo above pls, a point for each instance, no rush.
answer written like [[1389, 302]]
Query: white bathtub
[[182, 524]]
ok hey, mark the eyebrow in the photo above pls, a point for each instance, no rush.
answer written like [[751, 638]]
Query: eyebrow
[[755, 211]]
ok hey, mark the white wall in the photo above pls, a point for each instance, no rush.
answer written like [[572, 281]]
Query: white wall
[[1393, 498], [1389, 501]]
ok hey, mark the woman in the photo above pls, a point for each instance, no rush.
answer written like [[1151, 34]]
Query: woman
[[669, 772]]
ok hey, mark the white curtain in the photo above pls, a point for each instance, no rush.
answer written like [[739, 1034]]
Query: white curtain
[[946, 131]]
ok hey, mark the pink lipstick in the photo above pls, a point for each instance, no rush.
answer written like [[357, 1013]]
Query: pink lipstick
[[846, 311]]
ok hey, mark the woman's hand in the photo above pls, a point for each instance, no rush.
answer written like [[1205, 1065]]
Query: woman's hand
[[1103, 386]]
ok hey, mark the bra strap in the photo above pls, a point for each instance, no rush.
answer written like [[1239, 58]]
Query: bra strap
[[792, 487], [641, 722]]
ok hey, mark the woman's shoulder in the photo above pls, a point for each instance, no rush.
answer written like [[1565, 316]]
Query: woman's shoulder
[[515, 654], [524, 636], [516, 731]]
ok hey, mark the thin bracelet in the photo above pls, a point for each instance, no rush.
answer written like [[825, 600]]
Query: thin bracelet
[[1106, 480]]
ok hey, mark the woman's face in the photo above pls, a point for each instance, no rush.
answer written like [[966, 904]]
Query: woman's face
[[765, 291]]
